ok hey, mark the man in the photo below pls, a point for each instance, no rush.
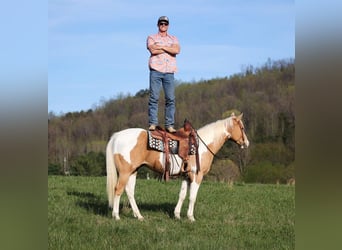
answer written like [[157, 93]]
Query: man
[[162, 63]]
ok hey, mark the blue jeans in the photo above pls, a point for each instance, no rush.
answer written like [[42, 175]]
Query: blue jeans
[[157, 80]]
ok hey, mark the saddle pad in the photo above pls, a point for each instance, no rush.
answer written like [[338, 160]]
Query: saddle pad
[[157, 144]]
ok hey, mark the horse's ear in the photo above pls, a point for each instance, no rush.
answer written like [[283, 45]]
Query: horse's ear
[[240, 117], [233, 114]]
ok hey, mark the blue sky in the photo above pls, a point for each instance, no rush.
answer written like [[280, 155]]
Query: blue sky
[[97, 48]]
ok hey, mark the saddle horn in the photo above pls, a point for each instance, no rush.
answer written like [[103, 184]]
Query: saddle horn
[[187, 125]]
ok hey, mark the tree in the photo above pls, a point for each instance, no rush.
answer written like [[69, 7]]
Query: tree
[[266, 96], [91, 164]]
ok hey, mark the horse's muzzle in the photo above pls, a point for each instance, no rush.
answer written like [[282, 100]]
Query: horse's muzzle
[[244, 144], [247, 143]]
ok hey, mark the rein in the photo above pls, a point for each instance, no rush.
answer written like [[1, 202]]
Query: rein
[[193, 129], [205, 144], [242, 131], [193, 133]]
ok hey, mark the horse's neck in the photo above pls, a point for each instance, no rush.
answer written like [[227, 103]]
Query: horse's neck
[[214, 135]]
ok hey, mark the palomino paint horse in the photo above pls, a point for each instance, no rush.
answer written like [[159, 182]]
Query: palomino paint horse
[[127, 150]]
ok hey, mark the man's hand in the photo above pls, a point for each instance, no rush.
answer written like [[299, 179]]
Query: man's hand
[[173, 50], [155, 49]]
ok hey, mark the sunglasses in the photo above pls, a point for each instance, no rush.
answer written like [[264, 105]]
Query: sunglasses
[[166, 24]]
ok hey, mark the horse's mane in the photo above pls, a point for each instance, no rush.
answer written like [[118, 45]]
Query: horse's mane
[[215, 124], [211, 129]]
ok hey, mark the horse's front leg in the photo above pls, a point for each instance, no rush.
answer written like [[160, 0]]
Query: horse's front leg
[[130, 194], [194, 186], [192, 199], [182, 195]]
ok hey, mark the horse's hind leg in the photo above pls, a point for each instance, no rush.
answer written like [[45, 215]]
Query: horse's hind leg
[[116, 203], [182, 195], [130, 194], [122, 181]]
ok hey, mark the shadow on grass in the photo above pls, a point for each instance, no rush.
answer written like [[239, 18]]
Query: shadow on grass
[[91, 203], [160, 207], [94, 204]]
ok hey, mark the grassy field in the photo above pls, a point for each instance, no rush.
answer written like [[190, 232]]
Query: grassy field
[[244, 216]]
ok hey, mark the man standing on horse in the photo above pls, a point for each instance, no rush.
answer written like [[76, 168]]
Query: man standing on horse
[[162, 64]]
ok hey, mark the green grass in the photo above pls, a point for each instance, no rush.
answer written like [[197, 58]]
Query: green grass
[[248, 216]]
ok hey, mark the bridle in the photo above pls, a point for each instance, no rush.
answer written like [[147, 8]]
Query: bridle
[[242, 133]]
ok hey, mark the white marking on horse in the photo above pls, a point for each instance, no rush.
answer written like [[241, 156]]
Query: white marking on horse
[[125, 142]]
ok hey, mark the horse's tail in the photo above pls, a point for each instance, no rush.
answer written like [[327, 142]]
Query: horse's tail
[[112, 176]]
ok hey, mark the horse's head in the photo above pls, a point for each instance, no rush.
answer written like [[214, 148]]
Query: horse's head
[[236, 130]]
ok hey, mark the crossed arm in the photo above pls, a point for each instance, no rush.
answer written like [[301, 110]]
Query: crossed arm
[[155, 49]]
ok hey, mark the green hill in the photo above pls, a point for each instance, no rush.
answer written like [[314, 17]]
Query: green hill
[[265, 95]]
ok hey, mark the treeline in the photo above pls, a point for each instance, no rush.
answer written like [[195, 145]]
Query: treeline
[[77, 140]]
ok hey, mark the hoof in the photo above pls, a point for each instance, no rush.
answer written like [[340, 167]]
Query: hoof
[[177, 216], [139, 216], [191, 218], [116, 217]]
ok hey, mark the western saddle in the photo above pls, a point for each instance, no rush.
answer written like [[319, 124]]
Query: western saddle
[[183, 142]]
